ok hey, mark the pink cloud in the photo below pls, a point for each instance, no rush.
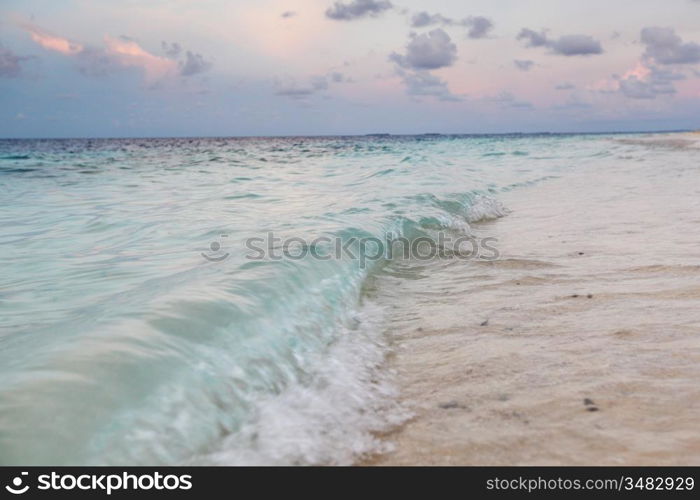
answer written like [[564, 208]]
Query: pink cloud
[[641, 71], [118, 52], [52, 42], [130, 54]]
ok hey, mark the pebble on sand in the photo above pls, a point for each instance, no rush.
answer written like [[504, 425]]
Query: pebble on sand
[[450, 405], [590, 405]]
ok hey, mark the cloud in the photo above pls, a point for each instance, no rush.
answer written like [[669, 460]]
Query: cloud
[[567, 45], [95, 61], [664, 46], [423, 19], [287, 14], [10, 63], [122, 52], [576, 45], [127, 53], [650, 85], [422, 83], [172, 50], [289, 87], [193, 64], [478, 26], [52, 42], [644, 82], [533, 38], [635, 88], [357, 9], [427, 51], [508, 100], [565, 86], [338, 77], [523, 65], [117, 52]]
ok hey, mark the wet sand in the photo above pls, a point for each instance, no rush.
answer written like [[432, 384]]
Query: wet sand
[[581, 345]]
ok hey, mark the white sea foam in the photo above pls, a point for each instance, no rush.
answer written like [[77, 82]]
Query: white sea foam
[[485, 208], [332, 417]]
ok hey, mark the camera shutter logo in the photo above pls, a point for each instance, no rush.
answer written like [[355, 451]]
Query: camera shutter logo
[[217, 254], [16, 487]]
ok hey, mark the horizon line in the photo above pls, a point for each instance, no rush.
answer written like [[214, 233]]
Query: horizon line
[[370, 134]]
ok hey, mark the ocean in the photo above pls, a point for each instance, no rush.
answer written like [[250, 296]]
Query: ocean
[[220, 301]]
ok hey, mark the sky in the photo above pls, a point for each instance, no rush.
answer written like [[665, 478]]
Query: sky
[[162, 68]]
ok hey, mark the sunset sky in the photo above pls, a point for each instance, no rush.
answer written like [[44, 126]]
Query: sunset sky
[[123, 68]]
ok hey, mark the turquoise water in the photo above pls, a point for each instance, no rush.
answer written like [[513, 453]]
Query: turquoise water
[[136, 329]]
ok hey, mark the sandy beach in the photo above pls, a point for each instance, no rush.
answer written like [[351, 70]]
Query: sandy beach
[[579, 346]]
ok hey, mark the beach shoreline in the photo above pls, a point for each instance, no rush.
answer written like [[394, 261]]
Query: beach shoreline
[[579, 345]]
